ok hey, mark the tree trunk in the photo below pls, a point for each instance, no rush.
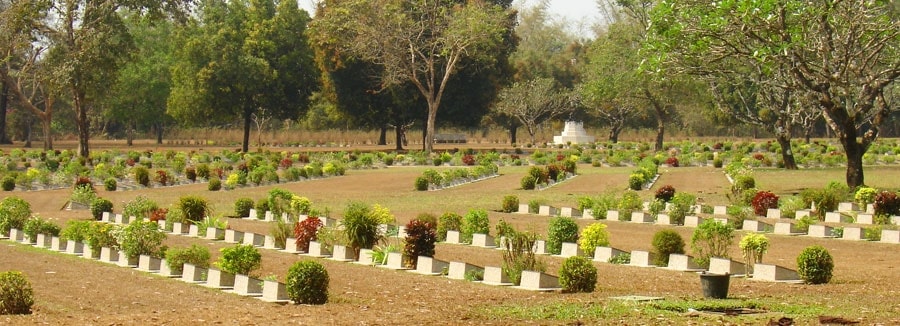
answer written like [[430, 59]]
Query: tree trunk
[[248, 115], [787, 155], [429, 127], [382, 135], [806, 134], [159, 133], [48, 136], [855, 151], [614, 132], [30, 121], [84, 125], [4, 104], [660, 132], [398, 133], [513, 130]]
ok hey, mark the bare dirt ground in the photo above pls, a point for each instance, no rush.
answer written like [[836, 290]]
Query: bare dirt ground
[[71, 290]]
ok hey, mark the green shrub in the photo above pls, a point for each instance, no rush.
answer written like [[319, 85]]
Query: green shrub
[[214, 184], [518, 256], [629, 203], [76, 230], [636, 181], [420, 238], [448, 222], [666, 242], [16, 295], [194, 208], [510, 204], [753, 247], [865, 195], [100, 205], [110, 184], [307, 283], [814, 265], [620, 259], [103, 235], [195, 255], [8, 183], [743, 183], [140, 207], [360, 226], [603, 204], [577, 274], [476, 221], [83, 195], [141, 175], [142, 238], [421, 183], [534, 206], [561, 229], [203, 170], [593, 236], [240, 259], [682, 205], [14, 211], [242, 207], [711, 239], [279, 201], [37, 225], [528, 182]]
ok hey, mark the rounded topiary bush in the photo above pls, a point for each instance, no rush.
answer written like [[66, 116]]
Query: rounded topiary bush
[[814, 265], [666, 242], [100, 205], [214, 184], [421, 184], [240, 259], [528, 182], [16, 296], [510, 204], [110, 184], [561, 229], [242, 207], [8, 183], [307, 283], [577, 274]]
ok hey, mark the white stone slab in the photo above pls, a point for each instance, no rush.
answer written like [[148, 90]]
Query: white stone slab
[[269, 217], [193, 231], [569, 212], [726, 266], [252, 214], [537, 281], [365, 257], [165, 271], [604, 254], [693, 221], [720, 210], [458, 270], [16, 235], [401, 231], [430, 266], [274, 291], [75, 247], [870, 209], [483, 241], [269, 242], [105, 217], [854, 233], [801, 213], [219, 279], [755, 226], [327, 221], [161, 224], [540, 248], [179, 228], [215, 233], [786, 228], [125, 261], [256, 240], [316, 249], [453, 237], [545, 210], [773, 273], [108, 255], [847, 207], [773, 213], [395, 261], [148, 264], [865, 219], [57, 244], [342, 253], [247, 286], [570, 249], [120, 219], [683, 263], [291, 246], [495, 276], [641, 217], [820, 231], [664, 219], [612, 215], [523, 209], [641, 258], [42, 240], [835, 217], [890, 236], [90, 253], [587, 214], [895, 220], [193, 274]]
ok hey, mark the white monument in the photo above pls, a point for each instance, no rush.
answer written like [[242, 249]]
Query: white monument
[[573, 133]]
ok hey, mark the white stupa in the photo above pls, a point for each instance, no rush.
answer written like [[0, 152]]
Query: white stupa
[[573, 134]]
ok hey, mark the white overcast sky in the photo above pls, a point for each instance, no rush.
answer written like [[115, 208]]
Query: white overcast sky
[[580, 14]]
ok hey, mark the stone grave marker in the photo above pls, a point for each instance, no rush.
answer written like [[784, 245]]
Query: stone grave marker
[[16, 235], [483, 241], [274, 291], [723, 266], [108, 255], [90, 253], [835, 217], [683, 263], [773, 273], [430, 266], [125, 261], [720, 210], [316, 249], [42, 241], [870, 209], [213, 233], [570, 249], [105, 217], [56, 244], [890, 236], [452, 237], [854, 233], [537, 281], [120, 219], [604, 254], [664, 219], [847, 207], [612, 215], [179, 228], [540, 248], [401, 231], [252, 215], [787, 228], [755, 226], [161, 224], [193, 231], [342, 253], [149, 264], [641, 217], [327, 221], [641, 258], [523, 209], [773, 213], [458, 270], [588, 214], [75, 247], [495, 276], [219, 279], [269, 242], [693, 221], [569, 212], [802, 213], [193, 274], [820, 231], [395, 261], [165, 270], [865, 219], [895, 220], [270, 217], [546, 210], [365, 257], [256, 240], [291, 246], [247, 286], [234, 236]]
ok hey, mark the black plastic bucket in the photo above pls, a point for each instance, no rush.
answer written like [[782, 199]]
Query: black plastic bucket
[[715, 286]]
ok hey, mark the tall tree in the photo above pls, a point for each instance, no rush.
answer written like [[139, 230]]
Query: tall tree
[[844, 53], [533, 102], [419, 42], [241, 56]]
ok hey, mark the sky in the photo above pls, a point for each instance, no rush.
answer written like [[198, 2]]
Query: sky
[[580, 13]]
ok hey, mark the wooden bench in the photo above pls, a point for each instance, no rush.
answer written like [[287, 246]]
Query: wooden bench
[[450, 138]]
